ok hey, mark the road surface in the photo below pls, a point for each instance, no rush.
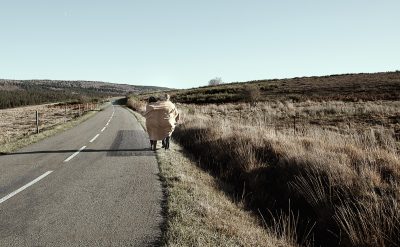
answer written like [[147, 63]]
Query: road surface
[[94, 185]]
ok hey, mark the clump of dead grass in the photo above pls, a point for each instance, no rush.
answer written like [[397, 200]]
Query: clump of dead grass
[[341, 185], [199, 213]]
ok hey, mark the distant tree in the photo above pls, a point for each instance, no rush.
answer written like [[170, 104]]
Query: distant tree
[[215, 81]]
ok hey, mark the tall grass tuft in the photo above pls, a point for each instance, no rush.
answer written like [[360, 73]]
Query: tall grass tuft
[[331, 182]]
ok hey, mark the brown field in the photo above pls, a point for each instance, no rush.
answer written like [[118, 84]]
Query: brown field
[[347, 87], [333, 167], [330, 167], [16, 123]]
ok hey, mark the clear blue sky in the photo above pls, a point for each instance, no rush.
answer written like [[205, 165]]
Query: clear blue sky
[[184, 43]]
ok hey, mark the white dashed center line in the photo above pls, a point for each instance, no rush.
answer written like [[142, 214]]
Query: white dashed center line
[[94, 138], [48, 172], [75, 154], [24, 187]]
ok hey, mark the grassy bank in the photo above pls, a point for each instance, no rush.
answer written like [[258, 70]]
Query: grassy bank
[[199, 213], [49, 131], [337, 173]]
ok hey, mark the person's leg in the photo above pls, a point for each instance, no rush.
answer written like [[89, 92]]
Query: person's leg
[[167, 142], [154, 145], [163, 143]]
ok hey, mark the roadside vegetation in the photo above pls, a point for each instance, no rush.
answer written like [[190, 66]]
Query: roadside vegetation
[[199, 213], [15, 93], [18, 125], [316, 159], [333, 175]]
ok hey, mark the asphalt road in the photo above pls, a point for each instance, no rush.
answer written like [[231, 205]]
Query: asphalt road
[[108, 194]]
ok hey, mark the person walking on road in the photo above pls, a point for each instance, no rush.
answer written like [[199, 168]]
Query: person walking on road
[[161, 119]]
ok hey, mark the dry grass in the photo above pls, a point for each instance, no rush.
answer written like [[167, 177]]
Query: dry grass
[[337, 173], [18, 125], [346, 87], [136, 104], [199, 213]]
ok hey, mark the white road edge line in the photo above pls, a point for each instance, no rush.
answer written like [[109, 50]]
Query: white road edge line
[[75, 154], [94, 138], [24, 187], [103, 129]]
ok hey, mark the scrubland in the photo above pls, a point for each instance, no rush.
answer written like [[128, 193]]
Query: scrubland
[[18, 125], [323, 173], [332, 167], [346, 87], [199, 213]]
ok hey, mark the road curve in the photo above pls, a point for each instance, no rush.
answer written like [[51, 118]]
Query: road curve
[[94, 185]]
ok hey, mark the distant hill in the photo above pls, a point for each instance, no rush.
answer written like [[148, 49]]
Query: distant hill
[[14, 93], [346, 87]]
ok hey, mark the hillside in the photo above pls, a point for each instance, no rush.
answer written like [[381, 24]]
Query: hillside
[[15, 93], [316, 158], [346, 87]]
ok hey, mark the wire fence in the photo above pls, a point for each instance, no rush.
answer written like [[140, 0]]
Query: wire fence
[[24, 121]]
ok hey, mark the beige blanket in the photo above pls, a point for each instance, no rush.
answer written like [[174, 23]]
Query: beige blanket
[[161, 118]]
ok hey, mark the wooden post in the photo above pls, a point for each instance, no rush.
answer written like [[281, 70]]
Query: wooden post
[[37, 122], [79, 109], [294, 124], [65, 113]]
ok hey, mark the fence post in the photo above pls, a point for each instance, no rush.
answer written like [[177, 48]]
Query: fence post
[[79, 109], [37, 122], [294, 124]]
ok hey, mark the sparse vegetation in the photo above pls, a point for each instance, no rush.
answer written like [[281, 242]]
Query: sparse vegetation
[[334, 173], [17, 125], [348, 88], [318, 155], [15, 93], [198, 213]]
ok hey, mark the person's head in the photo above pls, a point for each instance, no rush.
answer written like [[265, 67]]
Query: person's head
[[152, 99]]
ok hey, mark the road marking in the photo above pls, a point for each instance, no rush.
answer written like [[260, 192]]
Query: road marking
[[103, 129], [24, 187], [94, 138], [75, 154]]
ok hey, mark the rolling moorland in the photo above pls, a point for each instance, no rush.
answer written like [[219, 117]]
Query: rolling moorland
[[15, 93], [317, 158], [347, 87]]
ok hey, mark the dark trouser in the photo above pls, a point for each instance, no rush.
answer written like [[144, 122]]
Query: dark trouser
[[165, 142], [153, 145]]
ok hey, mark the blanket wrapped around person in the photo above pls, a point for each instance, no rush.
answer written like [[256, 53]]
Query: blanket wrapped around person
[[161, 118]]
